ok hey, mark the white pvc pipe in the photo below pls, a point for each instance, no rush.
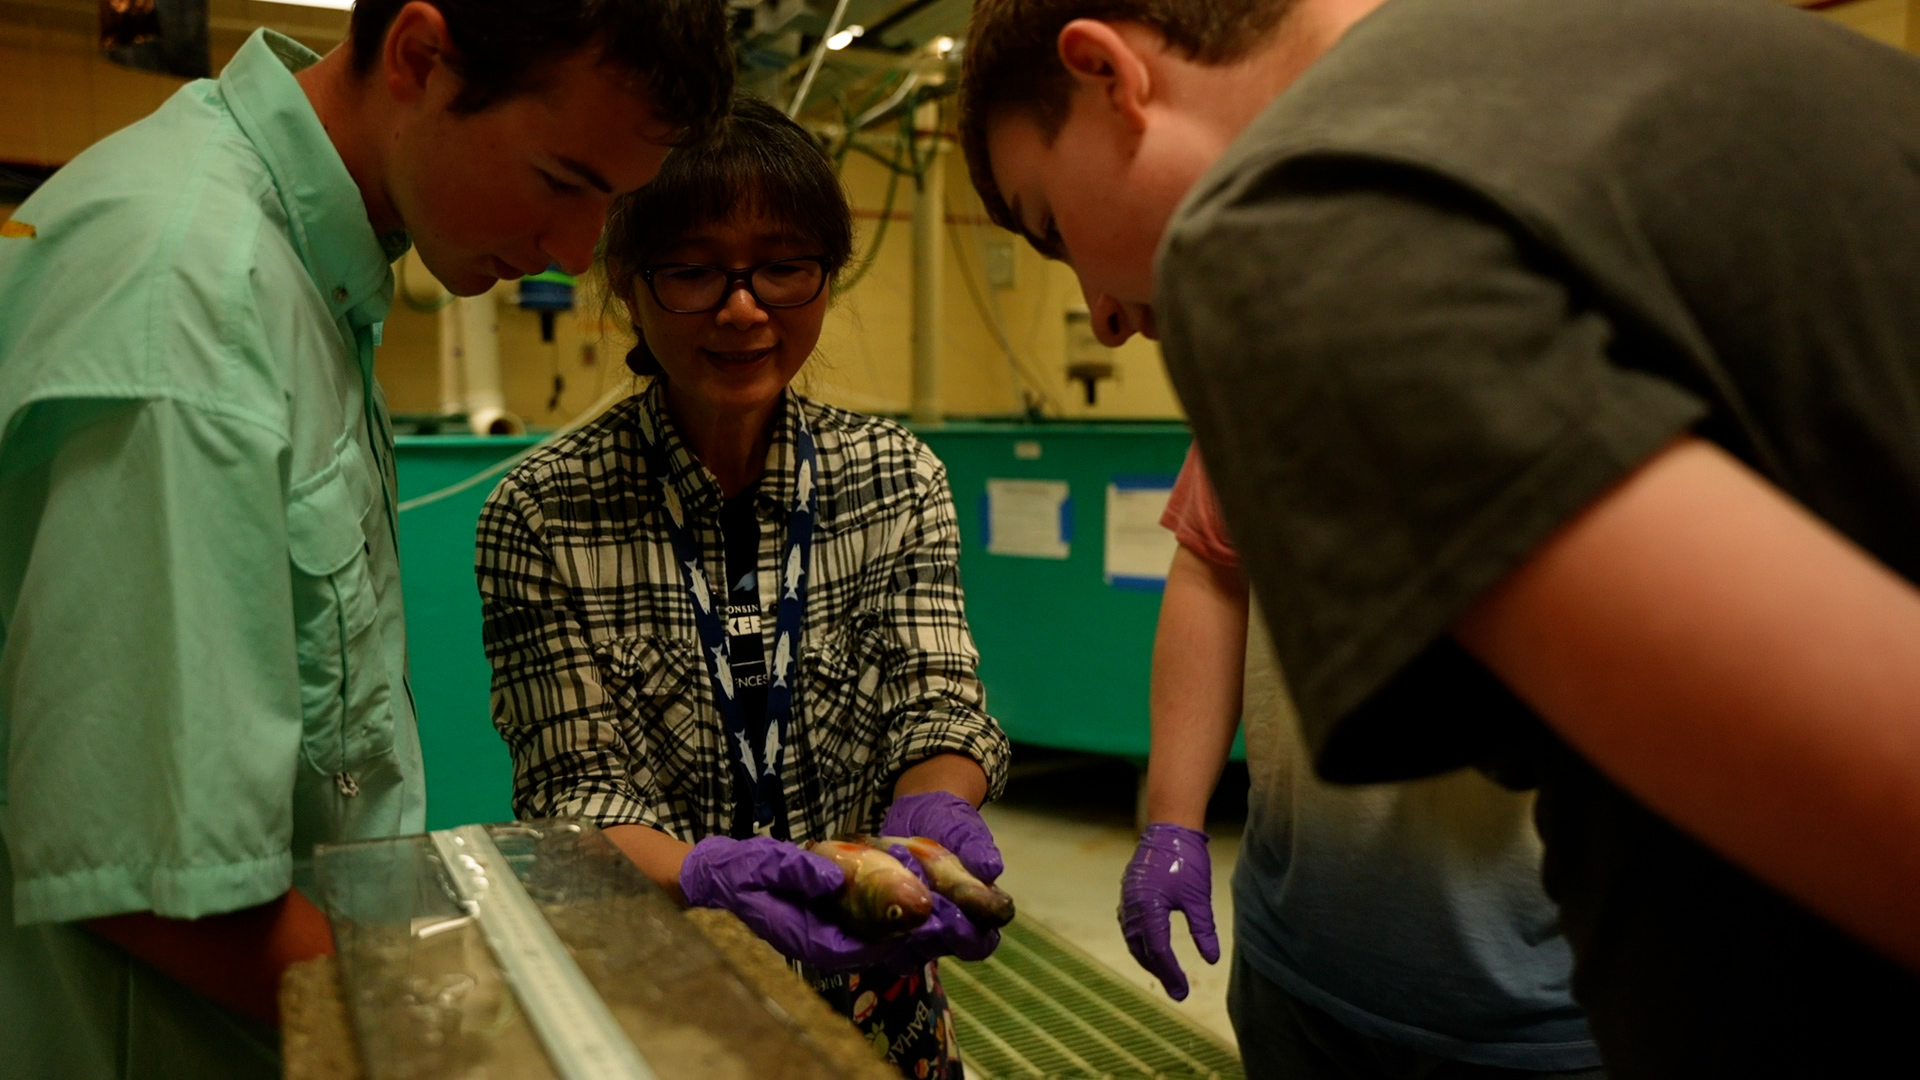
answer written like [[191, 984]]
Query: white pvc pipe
[[480, 368], [453, 398], [929, 255], [819, 54]]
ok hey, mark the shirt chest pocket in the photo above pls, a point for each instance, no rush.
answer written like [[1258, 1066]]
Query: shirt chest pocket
[[840, 696], [649, 680], [346, 694]]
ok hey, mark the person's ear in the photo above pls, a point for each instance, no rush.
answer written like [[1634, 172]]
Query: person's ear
[[630, 300], [1099, 59], [640, 358], [417, 42]]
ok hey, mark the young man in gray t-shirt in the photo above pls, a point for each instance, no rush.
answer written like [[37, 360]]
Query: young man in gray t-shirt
[[1559, 367]]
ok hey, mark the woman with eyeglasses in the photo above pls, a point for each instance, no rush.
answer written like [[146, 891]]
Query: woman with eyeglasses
[[724, 619]]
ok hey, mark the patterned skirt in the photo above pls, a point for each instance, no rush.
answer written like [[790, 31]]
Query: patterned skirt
[[906, 1017]]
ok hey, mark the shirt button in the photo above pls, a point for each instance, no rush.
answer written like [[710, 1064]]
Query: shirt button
[[340, 295]]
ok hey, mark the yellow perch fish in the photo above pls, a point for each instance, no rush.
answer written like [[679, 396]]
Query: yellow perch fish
[[881, 897], [988, 906]]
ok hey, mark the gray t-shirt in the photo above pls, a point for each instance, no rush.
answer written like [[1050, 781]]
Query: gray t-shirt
[[1481, 261]]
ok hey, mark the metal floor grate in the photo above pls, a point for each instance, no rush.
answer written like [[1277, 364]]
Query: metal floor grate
[[1041, 1008]]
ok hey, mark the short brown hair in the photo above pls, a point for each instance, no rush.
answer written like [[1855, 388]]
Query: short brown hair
[[1013, 61], [677, 51]]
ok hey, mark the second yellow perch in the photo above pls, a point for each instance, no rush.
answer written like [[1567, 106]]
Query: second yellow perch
[[881, 897]]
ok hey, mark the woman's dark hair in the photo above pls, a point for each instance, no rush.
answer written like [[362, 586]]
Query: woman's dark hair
[[676, 50], [757, 160]]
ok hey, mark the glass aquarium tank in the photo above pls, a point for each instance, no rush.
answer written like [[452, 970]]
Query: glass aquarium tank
[[538, 950]]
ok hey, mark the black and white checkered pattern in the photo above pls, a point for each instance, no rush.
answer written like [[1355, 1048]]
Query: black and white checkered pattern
[[598, 684]]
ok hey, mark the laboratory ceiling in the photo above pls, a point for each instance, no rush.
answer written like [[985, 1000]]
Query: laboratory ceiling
[[775, 38]]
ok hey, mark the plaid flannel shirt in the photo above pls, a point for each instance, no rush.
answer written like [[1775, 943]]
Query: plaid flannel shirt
[[599, 687]]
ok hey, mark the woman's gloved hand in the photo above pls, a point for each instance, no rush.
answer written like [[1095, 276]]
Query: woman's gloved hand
[[773, 887], [947, 932], [953, 823], [1170, 872]]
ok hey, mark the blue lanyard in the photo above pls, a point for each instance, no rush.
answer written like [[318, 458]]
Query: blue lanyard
[[763, 762]]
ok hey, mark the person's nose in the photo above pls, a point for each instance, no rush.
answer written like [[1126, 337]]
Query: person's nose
[[741, 311], [570, 243], [1113, 323]]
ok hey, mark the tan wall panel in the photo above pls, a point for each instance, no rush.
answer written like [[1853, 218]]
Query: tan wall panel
[[58, 96], [1891, 21], [867, 343]]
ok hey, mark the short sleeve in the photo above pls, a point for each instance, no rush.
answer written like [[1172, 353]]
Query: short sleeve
[[149, 681], [1194, 516], [1400, 397]]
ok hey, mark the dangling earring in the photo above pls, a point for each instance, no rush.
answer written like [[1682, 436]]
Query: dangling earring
[[640, 359]]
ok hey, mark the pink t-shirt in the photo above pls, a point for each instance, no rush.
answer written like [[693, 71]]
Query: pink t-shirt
[[1193, 513]]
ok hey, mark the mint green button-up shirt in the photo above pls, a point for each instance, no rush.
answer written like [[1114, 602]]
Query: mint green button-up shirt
[[202, 654]]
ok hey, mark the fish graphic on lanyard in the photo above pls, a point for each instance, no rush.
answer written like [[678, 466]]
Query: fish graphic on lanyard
[[793, 574], [782, 659], [770, 762], [724, 671], [698, 581], [806, 484]]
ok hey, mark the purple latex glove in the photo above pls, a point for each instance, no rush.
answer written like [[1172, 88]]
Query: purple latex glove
[[773, 887], [947, 932], [1170, 872], [953, 823]]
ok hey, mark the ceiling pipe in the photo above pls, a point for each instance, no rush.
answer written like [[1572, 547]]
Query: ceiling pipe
[[819, 54], [929, 255], [884, 109]]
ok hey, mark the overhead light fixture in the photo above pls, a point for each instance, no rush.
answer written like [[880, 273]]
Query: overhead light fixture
[[845, 37], [337, 5], [942, 45]]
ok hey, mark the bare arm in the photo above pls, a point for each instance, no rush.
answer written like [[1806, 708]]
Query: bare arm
[[235, 959], [1740, 667], [957, 773], [656, 854], [1199, 659]]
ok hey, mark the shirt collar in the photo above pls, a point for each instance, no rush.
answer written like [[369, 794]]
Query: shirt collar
[[351, 265], [696, 486], [780, 483]]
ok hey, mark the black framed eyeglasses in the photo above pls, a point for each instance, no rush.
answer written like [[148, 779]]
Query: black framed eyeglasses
[[692, 288]]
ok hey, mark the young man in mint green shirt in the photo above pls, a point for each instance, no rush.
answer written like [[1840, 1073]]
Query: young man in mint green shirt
[[202, 652]]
